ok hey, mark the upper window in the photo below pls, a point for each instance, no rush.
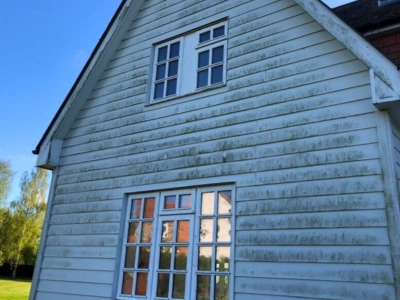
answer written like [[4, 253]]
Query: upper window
[[192, 62], [177, 245]]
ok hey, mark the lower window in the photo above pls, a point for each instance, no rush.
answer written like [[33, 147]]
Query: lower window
[[177, 245]]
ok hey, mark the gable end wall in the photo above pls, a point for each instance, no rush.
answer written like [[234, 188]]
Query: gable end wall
[[294, 127]]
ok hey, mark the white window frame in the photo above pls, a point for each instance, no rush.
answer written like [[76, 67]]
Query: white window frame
[[193, 214], [190, 47]]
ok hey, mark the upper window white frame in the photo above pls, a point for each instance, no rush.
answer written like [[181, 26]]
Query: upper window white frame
[[187, 70]]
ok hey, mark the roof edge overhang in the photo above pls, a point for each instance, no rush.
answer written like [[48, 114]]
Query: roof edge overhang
[[361, 48], [88, 69]]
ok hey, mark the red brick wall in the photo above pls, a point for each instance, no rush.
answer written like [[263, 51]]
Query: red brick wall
[[388, 43]]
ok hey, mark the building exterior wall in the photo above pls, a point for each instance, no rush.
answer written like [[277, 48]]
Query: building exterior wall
[[396, 141], [294, 128], [389, 43]]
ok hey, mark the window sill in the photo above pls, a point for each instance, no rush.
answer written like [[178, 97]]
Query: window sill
[[197, 91]]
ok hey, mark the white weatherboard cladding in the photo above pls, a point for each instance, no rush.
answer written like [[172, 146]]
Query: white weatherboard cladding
[[294, 127], [396, 142]]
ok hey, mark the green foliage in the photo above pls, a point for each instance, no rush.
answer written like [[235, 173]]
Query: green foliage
[[6, 177], [22, 222]]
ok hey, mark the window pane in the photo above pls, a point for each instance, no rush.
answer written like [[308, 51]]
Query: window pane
[[207, 203], [173, 68], [147, 230], [144, 258], [225, 202], [205, 258], [203, 59], [206, 230], [160, 74], [141, 284], [221, 287], [171, 87], [203, 287], [185, 201], [204, 37], [135, 209], [163, 285], [202, 78], [224, 230], [168, 232], [218, 54], [220, 31], [169, 202], [133, 232], [159, 90], [127, 283], [162, 53], [181, 258], [222, 262], [165, 258], [216, 75], [178, 290], [174, 51], [130, 257], [149, 207], [182, 234]]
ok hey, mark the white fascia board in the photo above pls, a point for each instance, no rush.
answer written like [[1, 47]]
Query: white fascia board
[[93, 72], [367, 53]]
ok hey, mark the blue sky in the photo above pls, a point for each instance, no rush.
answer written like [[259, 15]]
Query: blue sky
[[45, 44]]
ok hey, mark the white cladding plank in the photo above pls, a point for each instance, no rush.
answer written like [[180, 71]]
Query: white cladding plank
[[249, 163], [87, 263], [255, 204], [108, 79], [93, 126], [82, 240], [374, 255], [330, 48], [226, 169], [275, 36], [338, 170], [53, 296], [101, 206], [75, 288], [82, 218], [136, 83], [274, 53], [316, 271], [336, 186], [295, 237], [98, 228], [224, 126], [191, 12], [338, 219], [361, 145], [317, 289], [207, 99], [81, 252], [77, 276], [247, 296], [255, 25]]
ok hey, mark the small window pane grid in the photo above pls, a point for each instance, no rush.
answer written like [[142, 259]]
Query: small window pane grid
[[214, 246], [137, 246], [211, 60], [191, 63], [159, 264], [166, 69]]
